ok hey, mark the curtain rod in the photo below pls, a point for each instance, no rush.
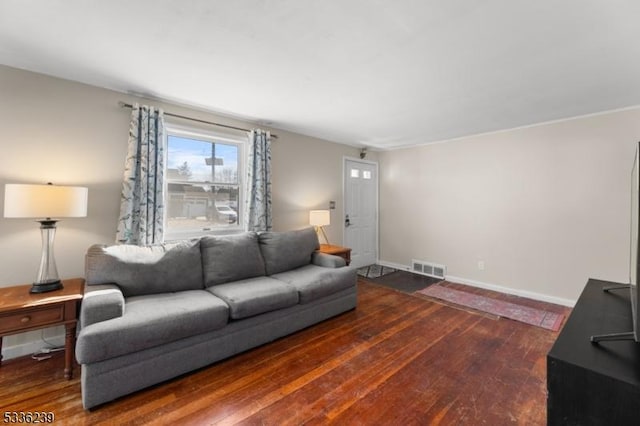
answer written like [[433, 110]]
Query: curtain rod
[[184, 117]]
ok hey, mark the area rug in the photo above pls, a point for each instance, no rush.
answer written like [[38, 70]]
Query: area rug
[[525, 314], [375, 271]]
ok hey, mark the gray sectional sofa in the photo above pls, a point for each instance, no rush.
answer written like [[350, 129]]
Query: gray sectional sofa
[[152, 313]]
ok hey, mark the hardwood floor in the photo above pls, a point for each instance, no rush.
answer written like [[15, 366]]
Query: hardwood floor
[[404, 281], [396, 359]]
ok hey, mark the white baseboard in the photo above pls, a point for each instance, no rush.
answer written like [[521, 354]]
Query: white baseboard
[[28, 348], [394, 265], [516, 292], [493, 287]]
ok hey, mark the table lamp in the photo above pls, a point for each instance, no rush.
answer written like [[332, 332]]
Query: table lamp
[[45, 202], [320, 218]]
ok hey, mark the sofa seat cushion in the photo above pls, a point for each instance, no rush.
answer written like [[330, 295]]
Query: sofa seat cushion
[[314, 282], [255, 296], [231, 258], [282, 251], [139, 270], [152, 320]]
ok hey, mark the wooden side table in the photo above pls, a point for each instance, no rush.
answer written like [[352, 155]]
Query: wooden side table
[[343, 252], [22, 311]]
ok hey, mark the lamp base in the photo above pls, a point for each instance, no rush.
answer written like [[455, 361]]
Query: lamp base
[[46, 286], [321, 230]]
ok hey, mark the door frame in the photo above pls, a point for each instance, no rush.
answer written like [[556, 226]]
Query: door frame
[[377, 199]]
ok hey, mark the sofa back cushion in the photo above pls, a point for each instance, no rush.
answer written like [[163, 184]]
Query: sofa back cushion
[[231, 258], [283, 251], [140, 270]]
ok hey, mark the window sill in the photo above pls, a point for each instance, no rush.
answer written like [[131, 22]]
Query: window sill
[[191, 234]]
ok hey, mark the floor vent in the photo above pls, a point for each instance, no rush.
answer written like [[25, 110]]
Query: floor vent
[[427, 268]]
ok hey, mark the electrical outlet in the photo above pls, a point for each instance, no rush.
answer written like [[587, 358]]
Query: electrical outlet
[[481, 265], [332, 205]]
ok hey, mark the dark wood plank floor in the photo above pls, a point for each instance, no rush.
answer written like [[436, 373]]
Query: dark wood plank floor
[[396, 359], [404, 281]]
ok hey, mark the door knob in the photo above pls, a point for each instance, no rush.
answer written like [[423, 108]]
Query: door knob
[[347, 222]]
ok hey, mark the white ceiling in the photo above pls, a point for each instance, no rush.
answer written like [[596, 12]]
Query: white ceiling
[[380, 73]]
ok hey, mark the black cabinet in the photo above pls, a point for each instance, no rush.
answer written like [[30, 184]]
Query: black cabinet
[[595, 384]]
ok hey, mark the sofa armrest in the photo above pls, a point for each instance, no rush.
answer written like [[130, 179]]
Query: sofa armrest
[[101, 303], [327, 260]]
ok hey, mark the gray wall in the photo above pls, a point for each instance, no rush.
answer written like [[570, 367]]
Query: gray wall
[[544, 207]]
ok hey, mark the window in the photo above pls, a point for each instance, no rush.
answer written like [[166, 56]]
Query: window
[[203, 183]]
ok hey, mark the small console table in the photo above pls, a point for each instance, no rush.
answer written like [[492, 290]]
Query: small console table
[[588, 383], [22, 311]]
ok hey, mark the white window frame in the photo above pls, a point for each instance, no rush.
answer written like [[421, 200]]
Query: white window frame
[[214, 137]]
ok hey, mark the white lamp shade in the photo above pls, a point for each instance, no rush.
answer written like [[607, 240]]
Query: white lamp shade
[[44, 201], [319, 217]]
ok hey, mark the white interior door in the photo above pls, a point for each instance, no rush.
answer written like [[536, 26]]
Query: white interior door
[[361, 211]]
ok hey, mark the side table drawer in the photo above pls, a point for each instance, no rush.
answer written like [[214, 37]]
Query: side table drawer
[[31, 318]]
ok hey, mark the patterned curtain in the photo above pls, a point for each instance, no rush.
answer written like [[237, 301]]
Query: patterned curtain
[[257, 210], [141, 205]]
